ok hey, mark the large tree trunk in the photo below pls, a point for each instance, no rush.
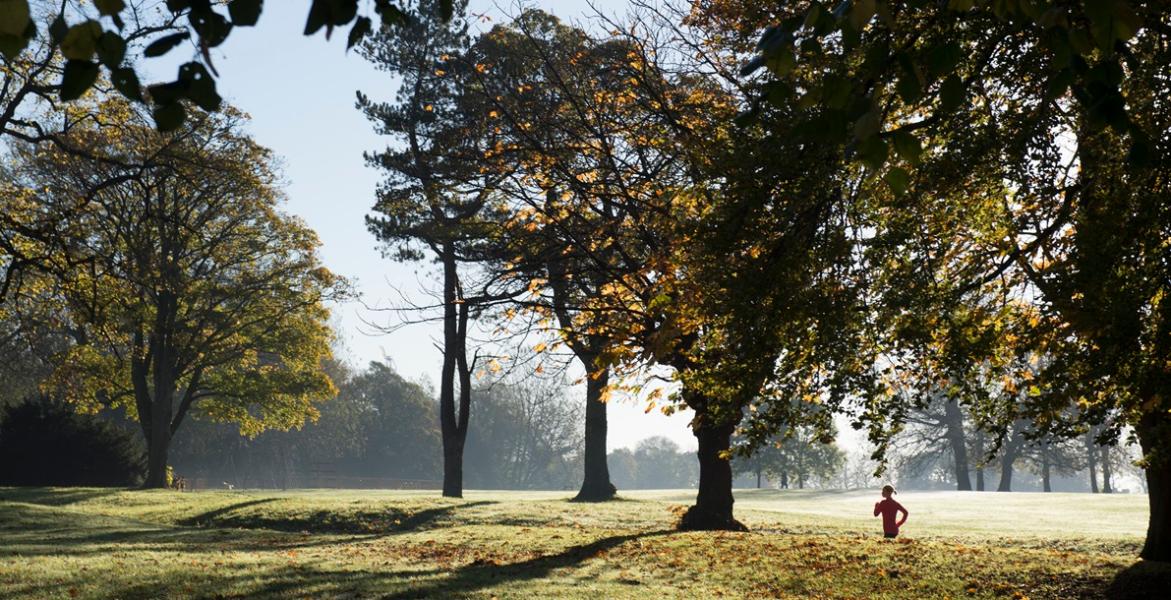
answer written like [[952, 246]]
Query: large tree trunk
[[1107, 487], [979, 460], [784, 480], [162, 392], [1045, 469], [452, 426], [758, 478], [1011, 450], [1092, 459], [595, 485], [157, 449], [1154, 433], [959, 449], [713, 503]]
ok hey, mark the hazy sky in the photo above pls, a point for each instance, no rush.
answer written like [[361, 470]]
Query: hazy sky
[[300, 93]]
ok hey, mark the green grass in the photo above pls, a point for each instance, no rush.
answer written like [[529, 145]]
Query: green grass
[[91, 543]]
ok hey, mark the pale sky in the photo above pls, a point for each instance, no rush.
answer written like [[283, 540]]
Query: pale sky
[[300, 92]]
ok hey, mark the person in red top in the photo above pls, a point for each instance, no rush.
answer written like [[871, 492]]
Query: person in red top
[[888, 508]]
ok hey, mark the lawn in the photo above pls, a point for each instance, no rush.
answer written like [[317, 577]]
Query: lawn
[[94, 543]]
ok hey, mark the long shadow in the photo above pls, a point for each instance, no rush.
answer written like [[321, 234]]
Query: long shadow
[[479, 575], [383, 521], [1141, 581], [55, 496], [211, 517]]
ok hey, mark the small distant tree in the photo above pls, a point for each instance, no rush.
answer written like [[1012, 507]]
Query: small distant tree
[[1054, 455], [795, 455]]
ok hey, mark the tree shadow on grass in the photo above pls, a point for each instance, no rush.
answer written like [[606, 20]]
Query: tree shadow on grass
[[383, 521], [212, 517], [32, 530], [55, 496], [1144, 580], [479, 574]]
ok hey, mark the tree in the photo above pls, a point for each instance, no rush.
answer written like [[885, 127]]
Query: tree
[[198, 295], [1054, 454], [378, 426], [421, 205], [527, 435], [654, 463], [796, 454], [1066, 97], [398, 426]]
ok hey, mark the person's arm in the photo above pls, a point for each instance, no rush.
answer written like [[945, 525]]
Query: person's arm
[[876, 510], [905, 514]]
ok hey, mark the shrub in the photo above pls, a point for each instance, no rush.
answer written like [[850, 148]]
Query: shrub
[[45, 443]]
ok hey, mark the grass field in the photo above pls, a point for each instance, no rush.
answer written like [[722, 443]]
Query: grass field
[[93, 543]]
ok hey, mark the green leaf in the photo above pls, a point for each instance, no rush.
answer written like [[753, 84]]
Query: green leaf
[[178, 5], [909, 86], [77, 77], [873, 152], [81, 41], [951, 93], [961, 5], [168, 93], [109, 8], [360, 30], [168, 117], [11, 45], [836, 91], [111, 49], [201, 87], [58, 29], [165, 44], [392, 16], [126, 82], [1126, 21], [943, 59], [907, 146], [782, 63], [446, 9], [245, 13], [861, 14], [14, 17], [868, 124], [212, 27], [898, 179], [318, 16]]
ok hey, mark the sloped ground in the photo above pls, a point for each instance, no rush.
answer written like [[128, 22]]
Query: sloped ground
[[91, 543]]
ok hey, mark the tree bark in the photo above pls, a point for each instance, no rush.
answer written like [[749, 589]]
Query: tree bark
[[160, 362], [980, 460], [1045, 469], [1154, 433], [959, 449], [758, 479], [453, 427], [713, 503], [784, 480], [1107, 485], [1011, 449], [595, 485], [1092, 459]]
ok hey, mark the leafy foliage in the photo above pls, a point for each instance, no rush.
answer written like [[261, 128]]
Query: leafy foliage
[[199, 295]]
